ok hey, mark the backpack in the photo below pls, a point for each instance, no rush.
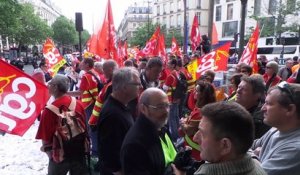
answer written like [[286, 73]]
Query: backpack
[[99, 83], [181, 86], [70, 139]]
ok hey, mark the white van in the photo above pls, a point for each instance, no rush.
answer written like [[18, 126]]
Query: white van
[[272, 51]]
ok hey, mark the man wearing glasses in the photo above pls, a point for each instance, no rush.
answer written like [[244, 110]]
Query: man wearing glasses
[[115, 119], [279, 149], [147, 148]]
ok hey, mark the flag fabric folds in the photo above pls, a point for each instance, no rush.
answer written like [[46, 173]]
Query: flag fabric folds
[[214, 39], [53, 58], [249, 55], [21, 99], [175, 48], [216, 60], [195, 36]]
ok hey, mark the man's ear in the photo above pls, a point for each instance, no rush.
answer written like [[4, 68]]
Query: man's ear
[[143, 108], [226, 146]]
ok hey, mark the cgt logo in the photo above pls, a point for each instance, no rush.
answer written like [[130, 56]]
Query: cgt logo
[[17, 104], [206, 63]]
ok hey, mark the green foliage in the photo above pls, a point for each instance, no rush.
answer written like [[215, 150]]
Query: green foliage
[[141, 36], [64, 31], [9, 18], [84, 37], [31, 29]]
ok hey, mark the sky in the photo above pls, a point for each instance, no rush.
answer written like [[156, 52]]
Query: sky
[[93, 11]]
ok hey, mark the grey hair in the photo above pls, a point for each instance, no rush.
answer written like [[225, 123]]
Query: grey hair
[[145, 96], [123, 76], [62, 82], [98, 64], [273, 65], [110, 63]]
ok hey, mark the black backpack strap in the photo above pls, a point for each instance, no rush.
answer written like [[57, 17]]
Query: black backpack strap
[[97, 79]]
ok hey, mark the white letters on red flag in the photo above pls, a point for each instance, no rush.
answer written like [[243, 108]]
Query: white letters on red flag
[[151, 48], [195, 34], [251, 48], [53, 58], [216, 60], [175, 48], [162, 49], [21, 99]]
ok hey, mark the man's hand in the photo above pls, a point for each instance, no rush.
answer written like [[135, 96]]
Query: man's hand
[[177, 171]]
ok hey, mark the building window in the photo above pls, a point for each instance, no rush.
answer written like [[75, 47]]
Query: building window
[[164, 9], [179, 5], [229, 0], [164, 22], [229, 11], [134, 25], [257, 7], [158, 10], [198, 4], [272, 7], [187, 4], [172, 21], [229, 28], [218, 13], [198, 14], [217, 1], [179, 21], [171, 7]]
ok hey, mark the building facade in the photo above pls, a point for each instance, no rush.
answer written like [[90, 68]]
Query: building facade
[[138, 14], [170, 13], [227, 16], [45, 9]]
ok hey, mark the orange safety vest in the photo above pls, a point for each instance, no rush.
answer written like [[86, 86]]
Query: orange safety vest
[[90, 94]]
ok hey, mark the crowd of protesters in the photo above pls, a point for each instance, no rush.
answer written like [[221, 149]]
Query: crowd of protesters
[[151, 117]]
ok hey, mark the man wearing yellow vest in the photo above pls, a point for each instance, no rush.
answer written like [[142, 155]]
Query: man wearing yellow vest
[[147, 147]]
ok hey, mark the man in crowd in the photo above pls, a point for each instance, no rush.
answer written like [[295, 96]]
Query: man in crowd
[[285, 72], [225, 134], [250, 94], [145, 146], [115, 119], [88, 91], [246, 70], [62, 157], [279, 149], [150, 77]]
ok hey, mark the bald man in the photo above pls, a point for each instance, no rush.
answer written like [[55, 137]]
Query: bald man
[[146, 142]]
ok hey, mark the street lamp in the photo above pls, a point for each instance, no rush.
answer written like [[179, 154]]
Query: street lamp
[[242, 27], [185, 28]]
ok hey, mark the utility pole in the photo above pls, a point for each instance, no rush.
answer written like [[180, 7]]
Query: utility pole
[[211, 18], [242, 27], [184, 28]]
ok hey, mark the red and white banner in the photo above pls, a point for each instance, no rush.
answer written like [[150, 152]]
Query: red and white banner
[[249, 55], [162, 53], [216, 60], [152, 46], [21, 99], [195, 34], [175, 48], [53, 58]]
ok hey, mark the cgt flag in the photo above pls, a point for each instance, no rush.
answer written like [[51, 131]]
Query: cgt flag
[[216, 60], [21, 99], [195, 34], [52, 56]]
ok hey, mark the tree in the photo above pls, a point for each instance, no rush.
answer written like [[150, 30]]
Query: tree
[[31, 28], [64, 31], [10, 10], [85, 35], [141, 36], [277, 23]]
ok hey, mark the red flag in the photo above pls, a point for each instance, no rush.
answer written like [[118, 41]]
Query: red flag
[[21, 99], [195, 34], [249, 54], [133, 52], [52, 56], [216, 60], [124, 49], [151, 48], [162, 49], [92, 44], [214, 39], [107, 37], [175, 48]]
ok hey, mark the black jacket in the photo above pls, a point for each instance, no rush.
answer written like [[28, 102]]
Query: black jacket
[[114, 122], [141, 152]]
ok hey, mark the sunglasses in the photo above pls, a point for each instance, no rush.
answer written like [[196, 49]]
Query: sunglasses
[[285, 87]]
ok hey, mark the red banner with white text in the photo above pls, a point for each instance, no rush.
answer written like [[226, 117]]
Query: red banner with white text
[[216, 60], [52, 56], [21, 99]]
